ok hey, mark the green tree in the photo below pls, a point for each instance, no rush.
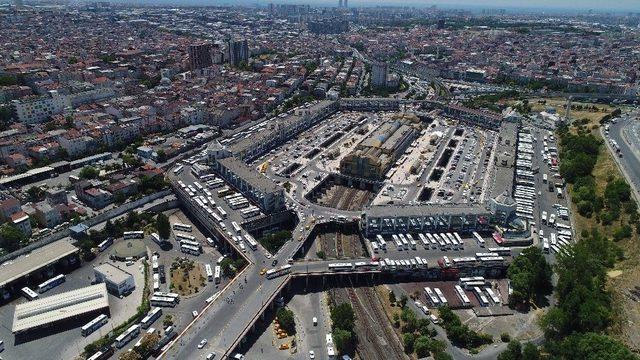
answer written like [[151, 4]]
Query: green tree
[[343, 316], [11, 239], [286, 320], [442, 356], [88, 172], [530, 275], [163, 226], [343, 339], [530, 352], [422, 346], [513, 351], [228, 270], [392, 297], [408, 339], [403, 300], [162, 156]]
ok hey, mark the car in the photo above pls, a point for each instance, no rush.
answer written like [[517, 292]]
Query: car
[[202, 343], [312, 355], [194, 313], [274, 262], [210, 356], [315, 321], [263, 271]]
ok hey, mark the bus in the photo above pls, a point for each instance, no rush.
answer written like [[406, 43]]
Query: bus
[[443, 299], [493, 296], [431, 296], [220, 259], [209, 271], [28, 293], [178, 169], [480, 296], [188, 249], [159, 301], [190, 243], [460, 242], [276, 272], [102, 354], [156, 238], [221, 212], [340, 266], [94, 325], [182, 227], [412, 242], [544, 178], [503, 251], [224, 192], [251, 242], [462, 296], [216, 274], [127, 336], [479, 239], [396, 240], [133, 234], [180, 237], [51, 283], [554, 239], [151, 317], [405, 243], [105, 244], [236, 227], [545, 245]]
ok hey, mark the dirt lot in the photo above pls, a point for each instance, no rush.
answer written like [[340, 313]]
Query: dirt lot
[[187, 277], [337, 245]]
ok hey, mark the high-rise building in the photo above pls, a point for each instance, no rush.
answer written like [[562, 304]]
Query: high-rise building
[[238, 51], [340, 3], [200, 56], [379, 72], [346, 3], [440, 24]]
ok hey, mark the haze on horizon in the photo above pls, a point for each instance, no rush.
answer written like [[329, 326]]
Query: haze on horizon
[[618, 5]]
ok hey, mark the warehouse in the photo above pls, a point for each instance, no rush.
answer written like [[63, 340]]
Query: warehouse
[[118, 281], [64, 308]]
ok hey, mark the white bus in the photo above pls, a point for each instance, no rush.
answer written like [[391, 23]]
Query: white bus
[[460, 242], [127, 336], [51, 283], [222, 212], [188, 249], [94, 325], [220, 259], [405, 243], [412, 242], [209, 271], [133, 234], [105, 244], [29, 294], [479, 239], [503, 251], [182, 227], [545, 245], [480, 296], [216, 276], [236, 227], [178, 169], [180, 237], [151, 317], [190, 243], [396, 240], [554, 239], [276, 272], [431, 296], [163, 301], [156, 238], [251, 242], [374, 247], [462, 296]]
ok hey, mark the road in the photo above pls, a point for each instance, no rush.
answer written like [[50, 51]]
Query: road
[[625, 131]]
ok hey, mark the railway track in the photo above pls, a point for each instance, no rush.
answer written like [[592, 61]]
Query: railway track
[[370, 298], [348, 200], [369, 334], [339, 247]]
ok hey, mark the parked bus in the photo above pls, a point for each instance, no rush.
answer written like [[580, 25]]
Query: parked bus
[[182, 227], [443, 299], [178, 169], [127, 336], [94, 325], [180, 237], [216, 275], [133, 234], [51, 283], [190, 243], [479, 239], [209, 271], [188, 249], [102, 354], [151, 317], [105, 244], [222, 212], [503, 251], [460, 242], [435, 301], [156, 238], [28, 293], [236, 227], [162, 301]]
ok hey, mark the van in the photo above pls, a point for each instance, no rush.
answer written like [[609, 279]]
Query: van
[[315, 321]]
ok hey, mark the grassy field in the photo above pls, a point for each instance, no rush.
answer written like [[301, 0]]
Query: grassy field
[[187, 277]]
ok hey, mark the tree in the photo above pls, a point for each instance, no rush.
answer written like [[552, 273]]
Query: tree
[[228, 270], [321, 255], [343, 339], [162, 156], [422, 346], [286, 320], [408, 339], [442, 356], [592, 346], [10, 237], [530, 275], [163, 226], [403, 300], [513, 351], [392, 297], [149, 341], [168, 320], [343, 316], [130, 355], [88, 172], [530, 352], [35, 193]]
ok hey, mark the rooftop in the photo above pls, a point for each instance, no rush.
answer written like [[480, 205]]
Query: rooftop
[[37, 259], [113, 273], [62, 306], [424, 210], [252, 177]]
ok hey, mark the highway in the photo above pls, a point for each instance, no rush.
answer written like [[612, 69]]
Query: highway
[[625, 131]]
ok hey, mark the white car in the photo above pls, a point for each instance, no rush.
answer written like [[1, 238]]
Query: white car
[[202, 343], [312, 355], [194, 313]]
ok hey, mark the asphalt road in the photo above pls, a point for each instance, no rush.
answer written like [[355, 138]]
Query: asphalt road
[[622, 131]]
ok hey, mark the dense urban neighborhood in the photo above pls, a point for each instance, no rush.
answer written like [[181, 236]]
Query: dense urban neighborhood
[[318, 181]]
